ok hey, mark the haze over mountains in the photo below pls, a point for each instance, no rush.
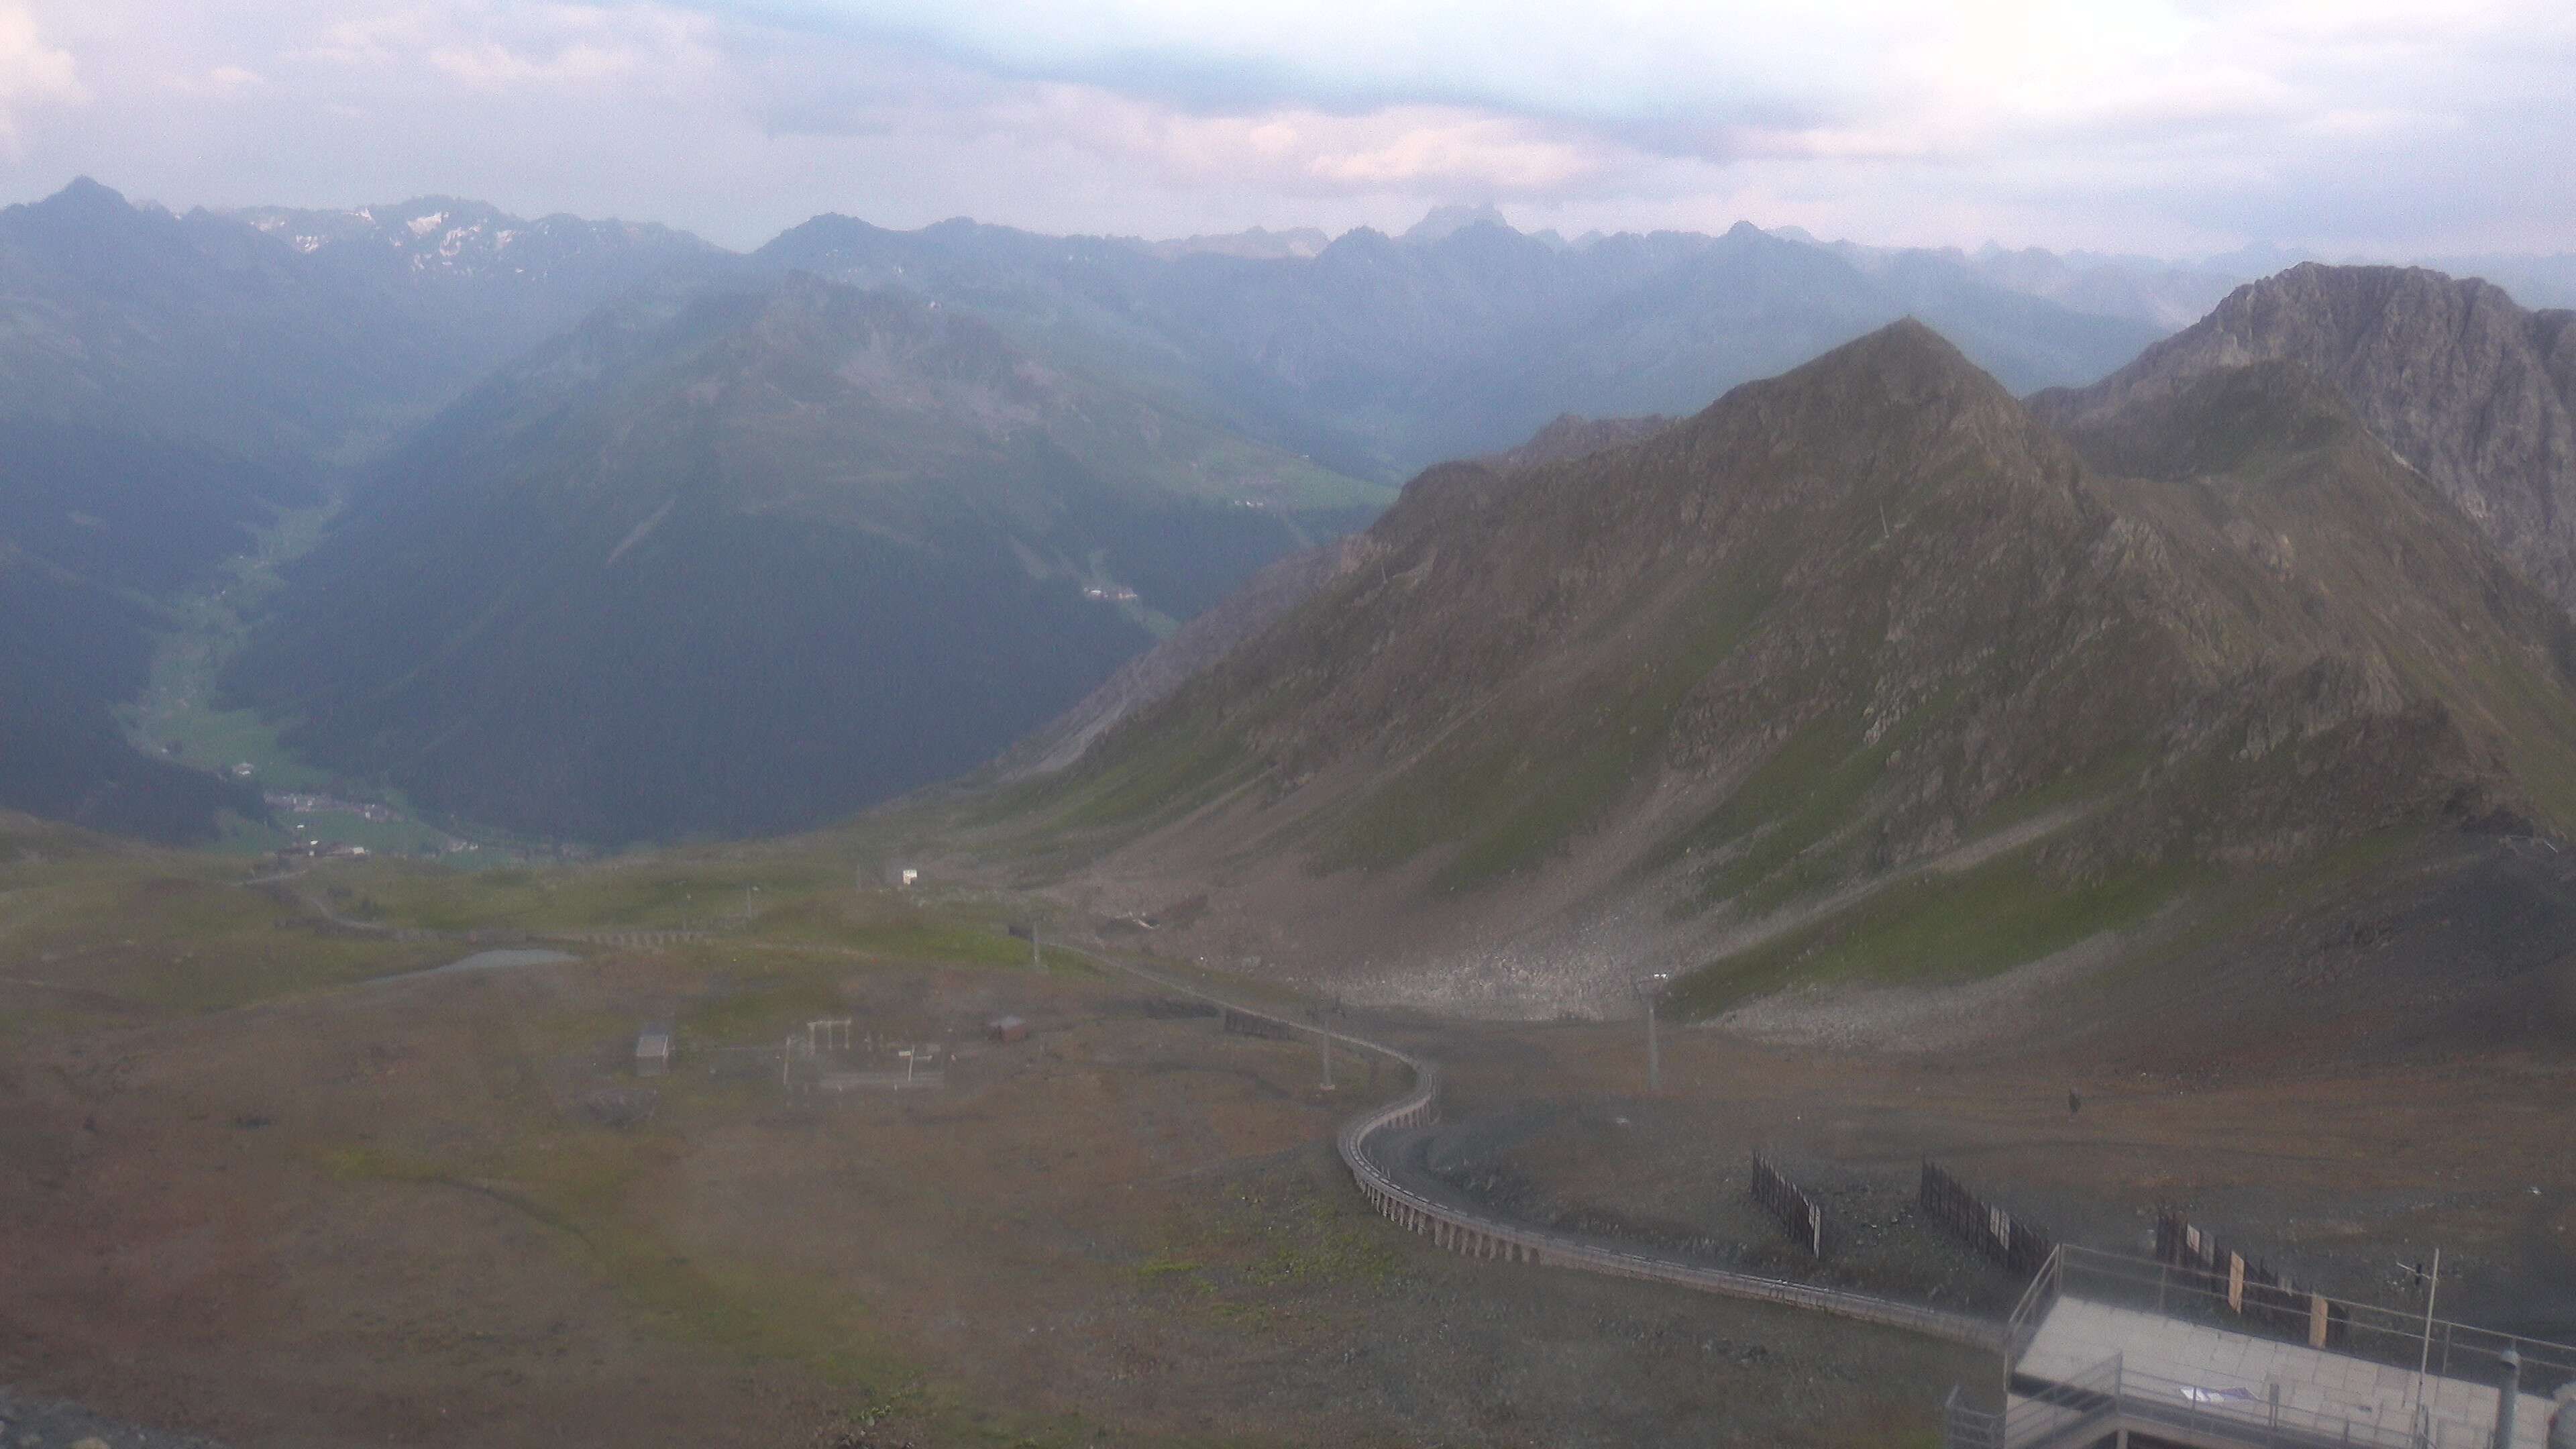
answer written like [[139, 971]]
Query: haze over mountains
[[169, 383], [642, 539], [749, 558], [1380, 356]]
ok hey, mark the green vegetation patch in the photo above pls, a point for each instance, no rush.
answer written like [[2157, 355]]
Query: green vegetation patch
[[1515, 792], [1938, 929], [162, 932], [579, 1184], [1252, 1260], [1811, 787], [583, 1185], [1149, 770], [669, 892]]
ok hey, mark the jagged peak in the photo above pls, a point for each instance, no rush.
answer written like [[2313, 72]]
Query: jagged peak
[[85, 197], [2348, 296], [1443, 222], [86, 190]]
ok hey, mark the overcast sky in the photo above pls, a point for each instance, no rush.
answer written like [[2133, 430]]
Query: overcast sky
[[2172, 128]]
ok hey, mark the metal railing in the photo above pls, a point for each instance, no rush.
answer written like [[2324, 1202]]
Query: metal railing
[[2392, 1336], [2022, 1325], [1482, 1234], [2088, 1407]]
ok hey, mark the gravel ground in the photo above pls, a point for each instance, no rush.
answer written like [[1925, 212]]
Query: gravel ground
[[51, 1424]]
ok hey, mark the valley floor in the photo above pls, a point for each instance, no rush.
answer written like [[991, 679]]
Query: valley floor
[[364, 1203]]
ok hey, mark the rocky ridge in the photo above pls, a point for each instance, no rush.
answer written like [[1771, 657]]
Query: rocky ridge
[[2471, 390], [1719, 694]]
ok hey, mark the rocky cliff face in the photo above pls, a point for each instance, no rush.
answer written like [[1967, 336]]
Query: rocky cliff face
[[2469, 389]]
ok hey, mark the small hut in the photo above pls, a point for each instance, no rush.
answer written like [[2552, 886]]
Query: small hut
[[1007, 1029], [653, 1050]]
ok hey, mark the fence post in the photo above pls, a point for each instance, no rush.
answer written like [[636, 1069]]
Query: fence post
[[2508, 1398]]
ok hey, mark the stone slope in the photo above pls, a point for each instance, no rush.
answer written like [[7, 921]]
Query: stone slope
[[2470, 389]]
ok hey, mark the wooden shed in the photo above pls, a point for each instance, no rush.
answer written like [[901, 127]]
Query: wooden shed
[[1007, 1029]]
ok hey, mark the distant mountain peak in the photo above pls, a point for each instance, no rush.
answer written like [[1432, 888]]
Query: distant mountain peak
[[458, 238], [1254, 243], [87, 199], [87, 189], [1443, 222], [2454, 377]]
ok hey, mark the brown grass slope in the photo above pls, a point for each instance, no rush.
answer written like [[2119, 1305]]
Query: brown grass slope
[[1262, 601], [1728, 697]]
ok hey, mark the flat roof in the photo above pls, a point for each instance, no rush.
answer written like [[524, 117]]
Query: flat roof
[[2078, 1334]]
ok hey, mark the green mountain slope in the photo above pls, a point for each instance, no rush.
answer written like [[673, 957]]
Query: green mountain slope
[[168, 382], [750, 556], [95, 527], [1727, 699]]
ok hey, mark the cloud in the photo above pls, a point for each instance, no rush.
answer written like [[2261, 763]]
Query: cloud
[[892, 95], [219, 81], [492, 47], [31, 71], [2167, 125]]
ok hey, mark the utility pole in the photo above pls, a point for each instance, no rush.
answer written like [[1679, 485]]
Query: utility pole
[[1648, 987], [2424, 1361], [1323, 1016], [1654, 1051]]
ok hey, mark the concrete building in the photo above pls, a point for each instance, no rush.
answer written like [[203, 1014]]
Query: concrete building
[[2107, 1350]]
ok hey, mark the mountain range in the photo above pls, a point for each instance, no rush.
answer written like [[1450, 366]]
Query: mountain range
[[1869, 655], [635, 534], [1380, 356], [168, 383]]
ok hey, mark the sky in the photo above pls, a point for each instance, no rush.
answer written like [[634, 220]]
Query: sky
[[2174, 129]]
